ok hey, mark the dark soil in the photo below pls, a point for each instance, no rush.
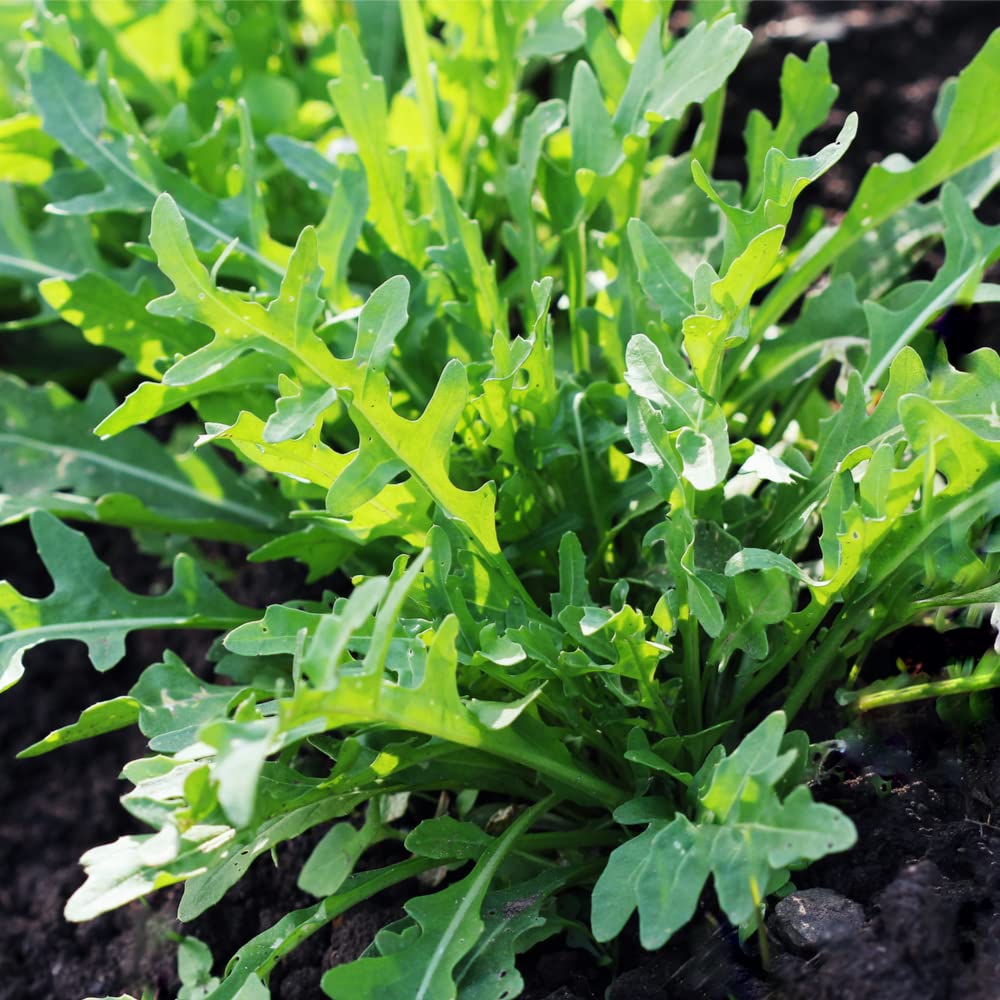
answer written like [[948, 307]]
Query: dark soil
[[927, 867], [55, 808], [927, 870]]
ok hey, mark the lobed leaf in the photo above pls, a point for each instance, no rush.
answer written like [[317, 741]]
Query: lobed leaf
[[88, 604]]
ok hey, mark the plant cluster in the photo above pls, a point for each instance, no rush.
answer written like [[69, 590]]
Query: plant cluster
[[608, 472]]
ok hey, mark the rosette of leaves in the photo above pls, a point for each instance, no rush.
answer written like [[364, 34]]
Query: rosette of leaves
[[605, 485]]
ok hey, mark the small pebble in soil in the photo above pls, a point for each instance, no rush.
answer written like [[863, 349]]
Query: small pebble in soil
[[807, 921]]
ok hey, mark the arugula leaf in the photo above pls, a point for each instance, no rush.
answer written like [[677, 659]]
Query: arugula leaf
[[95, 720], [257, 957], [449, 924], [360, 101], [969, 134], [58, 249], [807, 94], [52, 462], [88, 604], [110, 315], [746, 838], [25, 151], [73, 112], [968, 248]]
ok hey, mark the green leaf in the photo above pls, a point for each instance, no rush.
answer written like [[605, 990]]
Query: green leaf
[[449, 924], [389, 442], [663, 872], [333, 858], [662, 88], [513, 923], [276, 632], [520, 235], [382, 317], [25, 151], [463, 259], [754, 762], [305, 161], [337, 234], [807, 94], [969, 247], [51, 460], [131, 867], [433, 708], [360, 101], [970, 133], [73, 113], [95, 720], [746, 839], [194, 968], [204, 889], [697, 424], [660, 276], [444, 838], [757, 601], [574, 591], [109, 315], [259, 955], [831, 327], [222, 395], [596, 145], [60, 248], [236, 322], [174, 704], [784, 179], [722, 303], [90, 605], [551, 36]]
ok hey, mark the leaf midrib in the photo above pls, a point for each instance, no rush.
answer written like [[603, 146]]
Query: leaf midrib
[[136, 472], [76, 630], [33, 265]]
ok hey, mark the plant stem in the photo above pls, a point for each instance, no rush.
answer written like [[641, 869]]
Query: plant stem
[[691, 671], [930, 689], [819, 662], [576, 291], [791, 407], [771, 668], [560, 839], [600, 525], [706, 141]]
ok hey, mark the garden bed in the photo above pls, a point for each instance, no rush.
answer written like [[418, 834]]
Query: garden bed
[[925, 797], [926, 868]]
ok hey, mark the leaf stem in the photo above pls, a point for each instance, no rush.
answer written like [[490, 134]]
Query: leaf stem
[[560, 839], [575, 243], [930, 689], [333, 906], [819, 661], [600, 524], [691, 671], [771, 668], [418, 57], [706, 142]]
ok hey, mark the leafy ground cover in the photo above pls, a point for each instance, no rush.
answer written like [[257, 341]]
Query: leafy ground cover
[[697, 516]]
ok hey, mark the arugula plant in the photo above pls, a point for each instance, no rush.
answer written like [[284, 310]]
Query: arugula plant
[[621, 473]]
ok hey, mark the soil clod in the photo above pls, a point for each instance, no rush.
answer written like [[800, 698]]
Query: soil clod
[[809, 920]]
